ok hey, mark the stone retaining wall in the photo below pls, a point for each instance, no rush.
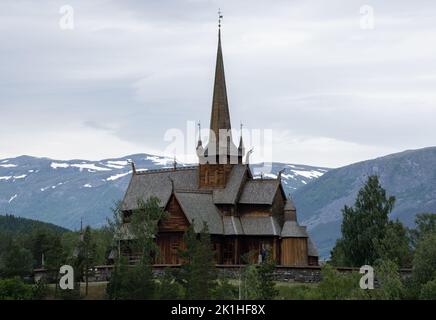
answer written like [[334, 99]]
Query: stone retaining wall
[[309, 274]]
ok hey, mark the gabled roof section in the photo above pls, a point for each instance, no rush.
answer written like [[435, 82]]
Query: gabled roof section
[[232, 226], [231, 192], [199, 208], [260, 226], [259, 191], [289, 205], [157, 183], [291, 229], [311, 248]]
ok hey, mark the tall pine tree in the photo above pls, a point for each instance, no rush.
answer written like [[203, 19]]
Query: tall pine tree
[[198, 271], [364, 226]]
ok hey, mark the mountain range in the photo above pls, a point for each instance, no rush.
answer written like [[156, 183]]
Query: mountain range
[[410, 176], [65, 191]]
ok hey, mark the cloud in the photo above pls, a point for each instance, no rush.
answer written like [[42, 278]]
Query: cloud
[[130, 70]]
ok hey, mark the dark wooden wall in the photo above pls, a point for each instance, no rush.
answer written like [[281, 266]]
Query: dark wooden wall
[[213, 175], [294, 252], [176, 220]]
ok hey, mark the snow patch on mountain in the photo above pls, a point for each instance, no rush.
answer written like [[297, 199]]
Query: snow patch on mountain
[[117, 176], [56, 165], [308, 174], [160, 161], [12, 198], [119, 163], [9, 165], [90, 167]]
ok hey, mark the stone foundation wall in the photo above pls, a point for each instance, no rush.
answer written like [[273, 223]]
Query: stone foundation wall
[[309, 274]]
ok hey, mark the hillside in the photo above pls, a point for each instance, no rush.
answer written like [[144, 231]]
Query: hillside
[[64, 191], [410, 176], [12, 224]]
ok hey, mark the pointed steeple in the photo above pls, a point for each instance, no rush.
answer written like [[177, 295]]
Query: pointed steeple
[[220, 115]]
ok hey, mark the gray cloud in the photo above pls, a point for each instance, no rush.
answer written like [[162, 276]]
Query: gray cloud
[[332, 93]]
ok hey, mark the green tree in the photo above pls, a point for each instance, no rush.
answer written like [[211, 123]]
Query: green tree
[[391, 286], [198, 271], [168, 288], [425, 224], [39, 290], [267, 290], [424, 260], [14, 289], [116, 288], [86, 256], [224, 290], [394, 245], [54, 256], [15, 260], [257, 280], [337, 286], [137, 282], [364, 225], [428, 291], [144, 226]]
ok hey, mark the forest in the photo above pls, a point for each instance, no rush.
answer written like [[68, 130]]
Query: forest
[[369, 237]]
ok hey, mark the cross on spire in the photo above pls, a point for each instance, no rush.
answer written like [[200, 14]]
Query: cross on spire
[[220, 16]]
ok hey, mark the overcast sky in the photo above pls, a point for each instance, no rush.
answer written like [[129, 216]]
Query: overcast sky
[[332, 92]]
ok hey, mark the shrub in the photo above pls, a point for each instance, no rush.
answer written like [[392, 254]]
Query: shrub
[[15, 289], [428, 291]]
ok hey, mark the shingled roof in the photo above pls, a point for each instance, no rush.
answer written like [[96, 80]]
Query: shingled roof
[[199, 207], [312, 251], [291, 229], [265, 226], [158, 184], [232, 225], [259, 191]]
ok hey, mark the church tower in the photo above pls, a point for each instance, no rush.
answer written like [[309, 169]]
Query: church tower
[[218, 157]]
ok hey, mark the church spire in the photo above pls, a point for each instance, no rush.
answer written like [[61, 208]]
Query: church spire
[[220, 116]]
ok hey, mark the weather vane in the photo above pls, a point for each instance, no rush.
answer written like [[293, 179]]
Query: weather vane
[[220, 16]]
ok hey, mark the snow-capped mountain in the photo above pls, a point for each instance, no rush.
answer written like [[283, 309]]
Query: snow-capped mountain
[[63, 192]]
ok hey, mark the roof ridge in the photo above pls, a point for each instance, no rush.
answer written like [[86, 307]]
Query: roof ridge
[[193, 191], [147, 171], [262, 179]]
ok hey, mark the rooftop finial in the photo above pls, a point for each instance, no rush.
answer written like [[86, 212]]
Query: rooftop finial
[[133, 166], [199, 143], [175, 163], [220, 16]]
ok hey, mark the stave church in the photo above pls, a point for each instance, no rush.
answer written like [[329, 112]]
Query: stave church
[[243, 214]]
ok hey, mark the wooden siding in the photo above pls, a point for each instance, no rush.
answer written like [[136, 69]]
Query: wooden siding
[[176, 221], [252, 210], [213, 175], [169, 245], [294, 252], [278, 206], [253, 246]]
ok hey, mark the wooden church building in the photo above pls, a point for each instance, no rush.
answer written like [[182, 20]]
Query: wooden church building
[[243, 214]]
